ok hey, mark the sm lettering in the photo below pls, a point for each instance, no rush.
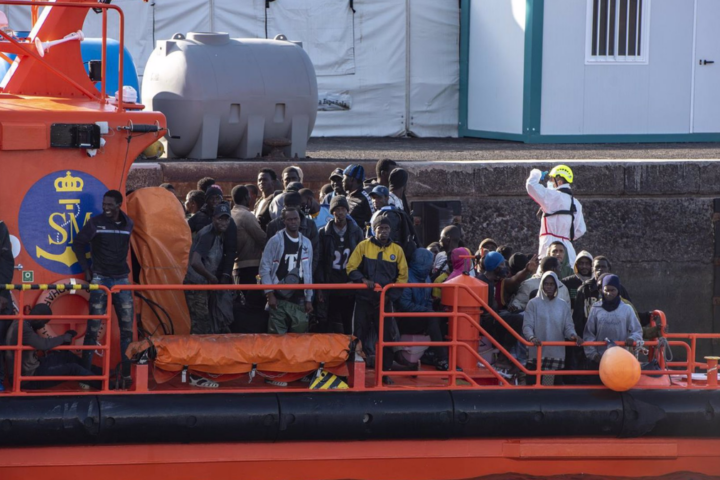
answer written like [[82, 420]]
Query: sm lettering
[[60, 221]]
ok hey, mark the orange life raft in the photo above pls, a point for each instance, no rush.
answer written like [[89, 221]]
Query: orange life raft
[[236, 354]]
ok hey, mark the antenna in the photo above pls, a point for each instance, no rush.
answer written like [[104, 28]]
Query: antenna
[[43, 47]]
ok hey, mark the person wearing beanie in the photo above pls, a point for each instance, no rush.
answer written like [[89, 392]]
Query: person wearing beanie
[[361, 207], [398, 182], [337, 240], [377, 261], [486, 246], [590, 292], [612, 319], [582, 273], [336, 186]]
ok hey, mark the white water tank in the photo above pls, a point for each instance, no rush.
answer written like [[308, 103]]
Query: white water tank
[[223, 96]]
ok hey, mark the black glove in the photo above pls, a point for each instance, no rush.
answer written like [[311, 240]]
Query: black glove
[[535, 341], [578, 340], [629, 342], [67, 338]]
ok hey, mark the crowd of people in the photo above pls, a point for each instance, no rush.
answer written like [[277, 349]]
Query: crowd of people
[[360, 230]]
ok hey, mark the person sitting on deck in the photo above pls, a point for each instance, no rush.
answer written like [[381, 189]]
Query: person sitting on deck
[[548, 319], [61, 363], [610, 319]]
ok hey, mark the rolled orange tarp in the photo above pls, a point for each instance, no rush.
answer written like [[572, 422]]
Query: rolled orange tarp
[[232, 354], [161, 241]]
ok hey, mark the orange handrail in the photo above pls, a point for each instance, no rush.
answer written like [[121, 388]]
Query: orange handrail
[[20, 49], [18, 348], [453, 343]]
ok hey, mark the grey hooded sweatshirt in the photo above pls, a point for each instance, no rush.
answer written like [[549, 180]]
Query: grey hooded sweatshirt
[[548, 320]]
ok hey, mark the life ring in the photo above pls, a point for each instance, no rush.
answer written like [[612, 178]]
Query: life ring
[[48, 297]]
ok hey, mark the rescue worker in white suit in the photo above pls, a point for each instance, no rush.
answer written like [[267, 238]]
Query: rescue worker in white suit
[[562, 217]]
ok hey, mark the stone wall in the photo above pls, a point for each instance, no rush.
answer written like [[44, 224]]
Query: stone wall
[[654, 220]]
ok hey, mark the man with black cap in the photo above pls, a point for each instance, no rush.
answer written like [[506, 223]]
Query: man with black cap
[[398, 182], [338, 239], [336, 182], [377, 261], [52, 364], [361, 207], [206, 254]]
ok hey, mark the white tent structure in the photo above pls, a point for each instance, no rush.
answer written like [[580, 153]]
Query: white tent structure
[[388, 68]]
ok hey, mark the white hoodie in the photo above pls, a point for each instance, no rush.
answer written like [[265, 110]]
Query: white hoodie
[[548, 320]]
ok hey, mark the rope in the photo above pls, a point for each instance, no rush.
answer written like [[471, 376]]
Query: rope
[[665, 348]]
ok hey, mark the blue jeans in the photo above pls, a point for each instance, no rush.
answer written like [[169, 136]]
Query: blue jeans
[[123, 305]]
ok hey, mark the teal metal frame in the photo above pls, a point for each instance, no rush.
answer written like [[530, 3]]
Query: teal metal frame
[[532, 92]]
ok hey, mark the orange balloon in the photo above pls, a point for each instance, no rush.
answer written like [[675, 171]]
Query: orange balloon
[[619, 369]]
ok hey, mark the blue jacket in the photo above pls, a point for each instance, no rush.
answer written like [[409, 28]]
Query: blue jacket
[[418, 299]]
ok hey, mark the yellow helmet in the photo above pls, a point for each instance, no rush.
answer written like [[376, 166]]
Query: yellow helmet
[[154, 151], [562, 171]]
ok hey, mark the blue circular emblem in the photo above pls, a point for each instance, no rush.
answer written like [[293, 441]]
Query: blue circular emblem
[[53, 212], [393, 257]]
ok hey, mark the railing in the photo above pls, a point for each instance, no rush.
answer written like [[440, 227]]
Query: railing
[[457, 347], [22, 317], [20, 48], [455, 316]]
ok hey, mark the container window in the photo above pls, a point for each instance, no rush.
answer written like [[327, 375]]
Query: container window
[[617, 31]]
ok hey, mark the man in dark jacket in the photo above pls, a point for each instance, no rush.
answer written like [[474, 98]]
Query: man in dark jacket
[[337, 240], [7, 268], [108, 237]]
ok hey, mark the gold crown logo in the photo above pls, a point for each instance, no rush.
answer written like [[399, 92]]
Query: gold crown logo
[[68, 183]]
